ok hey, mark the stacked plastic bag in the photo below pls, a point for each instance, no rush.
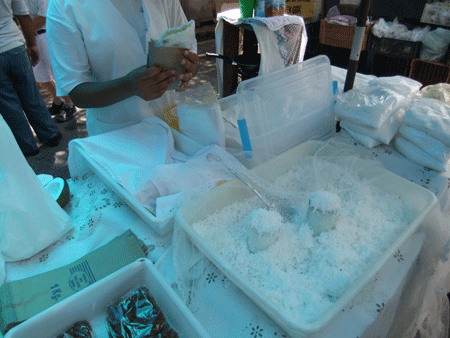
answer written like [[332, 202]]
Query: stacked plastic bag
[[424, 135], [396, 30], [372, 114]]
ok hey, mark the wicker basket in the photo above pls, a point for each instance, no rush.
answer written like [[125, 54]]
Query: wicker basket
[[337, 35], [429, 73]]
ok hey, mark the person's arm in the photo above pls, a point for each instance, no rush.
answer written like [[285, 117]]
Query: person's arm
[[26, 24], [38, 22], [148, 84]]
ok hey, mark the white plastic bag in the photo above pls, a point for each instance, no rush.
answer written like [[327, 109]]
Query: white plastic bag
[[434, 45], [427, 143], [30, 218], [403, 85], [200, 116], [384, 134], [414, 153], [365, 140], [431, 116], [396, 30], [373, 105]]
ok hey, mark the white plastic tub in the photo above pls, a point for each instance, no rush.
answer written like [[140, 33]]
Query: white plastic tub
[[90, 304], [421, 200]]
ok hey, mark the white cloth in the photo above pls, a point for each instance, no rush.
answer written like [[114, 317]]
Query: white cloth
[[133, 12], [142, 146], [163, 185], [431, 116], [141, 159], [43, 70], [37, 8], [281, 32], [282, 41], [104, 47], [10, 34]]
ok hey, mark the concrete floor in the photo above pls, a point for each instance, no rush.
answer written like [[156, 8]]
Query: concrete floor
[[53, 161]]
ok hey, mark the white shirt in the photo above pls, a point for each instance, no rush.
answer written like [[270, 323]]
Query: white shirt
[[37, 7], [90, 40], [133, 12], [10, 35]]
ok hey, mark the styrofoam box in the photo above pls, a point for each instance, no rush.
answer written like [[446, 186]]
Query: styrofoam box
[[421, 199], [90, 304], [285, 108]]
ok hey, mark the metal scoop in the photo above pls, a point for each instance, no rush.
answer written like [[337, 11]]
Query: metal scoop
[[284, 211]]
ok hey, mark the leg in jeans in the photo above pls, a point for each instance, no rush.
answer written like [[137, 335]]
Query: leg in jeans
[[32, 102], [11, 109], [18, 94]]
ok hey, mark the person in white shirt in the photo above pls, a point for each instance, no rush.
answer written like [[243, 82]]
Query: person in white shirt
[[21, 103], [62, 107], [98, 53]]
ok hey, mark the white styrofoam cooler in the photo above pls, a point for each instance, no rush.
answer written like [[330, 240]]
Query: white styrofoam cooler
[[90, 304], [421, 199]]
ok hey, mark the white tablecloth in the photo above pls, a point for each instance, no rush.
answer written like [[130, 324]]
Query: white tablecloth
[[407, 295], [98, 215]]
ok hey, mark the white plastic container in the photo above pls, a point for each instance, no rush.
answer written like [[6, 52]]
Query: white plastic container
[[285, 108], [90, 304], [421, 199]]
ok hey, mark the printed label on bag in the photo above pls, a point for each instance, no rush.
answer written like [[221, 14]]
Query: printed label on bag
[[81, 276]]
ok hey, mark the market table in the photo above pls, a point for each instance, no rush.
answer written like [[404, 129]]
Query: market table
[[407, 295]]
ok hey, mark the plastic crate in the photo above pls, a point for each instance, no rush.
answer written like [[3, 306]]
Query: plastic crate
[[393, 47], [341, 36], [429, 73]]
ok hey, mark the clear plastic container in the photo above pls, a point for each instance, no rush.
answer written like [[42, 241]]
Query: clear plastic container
[[285, 108]]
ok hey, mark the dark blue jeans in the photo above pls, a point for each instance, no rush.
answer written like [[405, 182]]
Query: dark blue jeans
[[21, 103]]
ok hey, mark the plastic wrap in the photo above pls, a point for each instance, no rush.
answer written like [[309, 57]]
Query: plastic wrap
[[200, 118], [384, 134], [363, 139], [427, 143], [373, 105], [396, 30], [414, 153], [434, 45], [138, 316], [431, 116], [81, 329]]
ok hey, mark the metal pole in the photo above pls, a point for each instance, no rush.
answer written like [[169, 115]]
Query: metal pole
[[360, 30]]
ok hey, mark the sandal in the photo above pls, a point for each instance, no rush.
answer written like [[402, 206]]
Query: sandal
[[66, 114]]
